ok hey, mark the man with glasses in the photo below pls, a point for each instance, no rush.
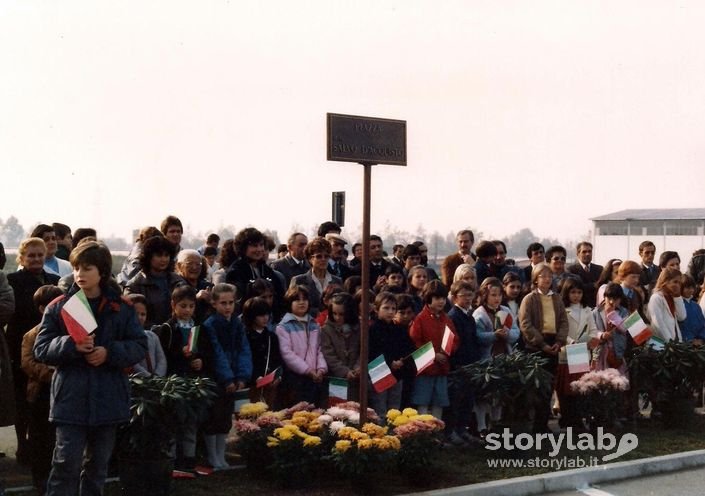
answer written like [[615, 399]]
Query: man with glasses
[[294, 263], [587, 271], [555, 258]]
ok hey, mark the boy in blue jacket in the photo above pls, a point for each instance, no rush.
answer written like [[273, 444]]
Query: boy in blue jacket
[[90, 393]]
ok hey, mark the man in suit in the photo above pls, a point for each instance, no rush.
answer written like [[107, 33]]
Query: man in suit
[[337, 264], [396, 257], [587, 271], [294, 262], [649, 270], [464, 239], [378, 264]]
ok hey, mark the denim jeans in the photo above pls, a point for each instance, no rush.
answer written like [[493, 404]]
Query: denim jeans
[[80, 462]]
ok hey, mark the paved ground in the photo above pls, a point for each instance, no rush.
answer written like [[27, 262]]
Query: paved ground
[[11, 473], [683, 483]]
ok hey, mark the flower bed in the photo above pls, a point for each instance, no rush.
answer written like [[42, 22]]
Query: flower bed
[[295, 444]]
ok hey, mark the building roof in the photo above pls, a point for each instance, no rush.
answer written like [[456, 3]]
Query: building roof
[[655, 214]]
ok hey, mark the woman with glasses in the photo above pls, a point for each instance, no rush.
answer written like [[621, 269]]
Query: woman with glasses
[[190, 266], [555, 258], [317, 279]]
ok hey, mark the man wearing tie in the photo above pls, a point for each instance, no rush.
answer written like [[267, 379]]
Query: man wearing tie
[[587, 271]]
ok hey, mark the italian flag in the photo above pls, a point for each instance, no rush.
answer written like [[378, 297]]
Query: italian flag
[[638, 329], [193, 338], [423, 357], [337, 390], [448, 340], [78, 317], [503, 319], [380, 374]]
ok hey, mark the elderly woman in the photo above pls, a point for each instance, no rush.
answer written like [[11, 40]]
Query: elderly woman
[[156, 279], [24, 282], [317, 279], [544, 327], [190, 266]]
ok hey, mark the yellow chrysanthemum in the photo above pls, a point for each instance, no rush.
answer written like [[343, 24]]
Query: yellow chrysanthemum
[[346, 432], [272, 444], [393, 442], [357, 435], [424, 417], [312, 441], [374, 430], [293, 428], [314, 427], [253, 410], [365, 443], [343, 445], [400, 420], [392, 414], [283, 433], [409, 412]]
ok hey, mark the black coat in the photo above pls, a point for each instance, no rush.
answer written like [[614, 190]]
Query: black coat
[[26, 316]]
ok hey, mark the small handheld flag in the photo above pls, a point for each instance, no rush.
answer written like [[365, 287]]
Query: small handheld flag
[[78, 317], [448, 340], [193, 339], [380, 374], [503, 319], [424, 357], [578, 358], [269, 378], [337, 390], [637, 328]]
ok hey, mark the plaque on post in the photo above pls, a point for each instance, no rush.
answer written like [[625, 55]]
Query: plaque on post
[[367, 140]]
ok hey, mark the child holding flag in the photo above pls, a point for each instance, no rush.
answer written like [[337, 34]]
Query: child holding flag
[[497, 332], [430, 330], [340, 344], [189, 353], [233, 369], [391, 341], [90, 392], [581, 330], [264, 347]]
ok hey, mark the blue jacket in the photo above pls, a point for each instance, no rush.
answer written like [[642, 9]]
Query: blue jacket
[[485, 332], [693, 327], [469, 349], [231, 351], [82, 394]]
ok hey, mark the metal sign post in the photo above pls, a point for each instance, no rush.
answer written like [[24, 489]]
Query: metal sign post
[[368, 141]]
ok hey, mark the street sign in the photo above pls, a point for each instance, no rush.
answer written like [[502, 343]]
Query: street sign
[[367, 140]]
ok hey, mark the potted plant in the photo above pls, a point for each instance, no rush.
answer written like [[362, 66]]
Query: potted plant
[[160, 408], [517, 382], [670, 376], [600, 396]]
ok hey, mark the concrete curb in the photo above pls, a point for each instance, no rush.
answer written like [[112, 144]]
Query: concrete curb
[[575, 478]]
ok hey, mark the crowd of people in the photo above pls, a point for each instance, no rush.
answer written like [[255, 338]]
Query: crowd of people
[[298, 317]]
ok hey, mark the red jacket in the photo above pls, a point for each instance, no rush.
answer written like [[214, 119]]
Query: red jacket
[[428, 327]]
